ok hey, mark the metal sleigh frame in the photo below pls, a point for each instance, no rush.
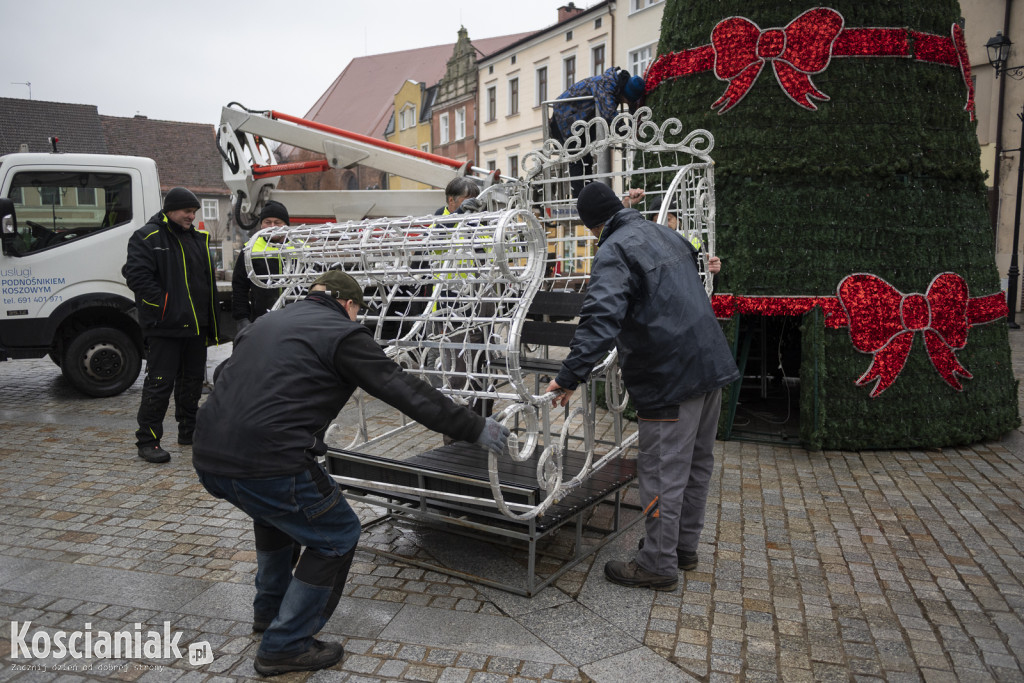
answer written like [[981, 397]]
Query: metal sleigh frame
[[481, 306]]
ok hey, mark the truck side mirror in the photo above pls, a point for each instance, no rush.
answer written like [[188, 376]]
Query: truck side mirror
[[8, 225]]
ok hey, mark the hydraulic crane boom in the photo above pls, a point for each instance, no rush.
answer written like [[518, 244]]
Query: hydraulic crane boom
[[252, 172]]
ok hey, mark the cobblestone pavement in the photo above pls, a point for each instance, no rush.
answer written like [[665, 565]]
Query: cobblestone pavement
[[871, 566]]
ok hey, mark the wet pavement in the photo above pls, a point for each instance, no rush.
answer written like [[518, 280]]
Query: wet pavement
[[903, 565]]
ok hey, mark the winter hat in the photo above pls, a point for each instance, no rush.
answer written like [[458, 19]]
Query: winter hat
[[180, 198], [596, 204], [274, 209], [341, 285], [655, 205], [634, 89]]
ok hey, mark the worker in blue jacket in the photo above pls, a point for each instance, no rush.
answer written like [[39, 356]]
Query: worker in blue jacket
[[595, 96]]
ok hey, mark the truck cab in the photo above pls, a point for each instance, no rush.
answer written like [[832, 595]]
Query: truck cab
[[66, 220]]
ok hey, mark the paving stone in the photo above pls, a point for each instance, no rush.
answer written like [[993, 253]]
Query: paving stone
[[885, 565]]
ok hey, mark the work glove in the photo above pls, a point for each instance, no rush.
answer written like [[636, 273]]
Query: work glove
[[241, 324], [494, 436], [471, 205]]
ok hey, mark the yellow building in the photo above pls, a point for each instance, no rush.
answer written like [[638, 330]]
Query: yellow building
[[410, 126]]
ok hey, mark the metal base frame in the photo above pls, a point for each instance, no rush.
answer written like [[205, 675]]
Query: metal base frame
[[478, 519], [401, 514]]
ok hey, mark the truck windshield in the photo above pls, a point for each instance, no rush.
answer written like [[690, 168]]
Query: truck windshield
[[57, 207]]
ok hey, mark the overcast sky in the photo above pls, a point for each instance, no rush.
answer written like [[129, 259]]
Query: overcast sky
[[183, 60]]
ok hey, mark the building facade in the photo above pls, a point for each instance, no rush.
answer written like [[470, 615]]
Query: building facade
[[454, 120], [637, 25], [999, 103], [410, 126], [516, 83]]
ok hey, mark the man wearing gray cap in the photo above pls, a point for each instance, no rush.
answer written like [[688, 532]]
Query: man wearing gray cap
[[257, 439], [646, 298]]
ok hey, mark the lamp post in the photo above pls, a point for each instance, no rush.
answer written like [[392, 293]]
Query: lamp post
[[1013, 273], [998, 48]]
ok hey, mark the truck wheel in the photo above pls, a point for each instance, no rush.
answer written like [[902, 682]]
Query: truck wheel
[[101, 361]]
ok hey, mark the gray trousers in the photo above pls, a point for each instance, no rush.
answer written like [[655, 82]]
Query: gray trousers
[[673, 468]]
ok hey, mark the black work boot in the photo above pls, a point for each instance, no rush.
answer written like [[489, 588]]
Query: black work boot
[[632, 574], [686, 560], [154, 454], [320, 655]]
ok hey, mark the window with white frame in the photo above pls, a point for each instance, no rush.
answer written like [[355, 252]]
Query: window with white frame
[[407, 117], [211, 210], [637, 5], [425, 147], [570, 71], [460, 123], [513, 96], [51, 195], [513, 166], [492, 103], [597, 59], [442, 123], [87, 196], [542, 84], [640, 59]]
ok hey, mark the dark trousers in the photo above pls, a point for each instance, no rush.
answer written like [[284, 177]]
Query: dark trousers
[[306, 509], [173, 365]]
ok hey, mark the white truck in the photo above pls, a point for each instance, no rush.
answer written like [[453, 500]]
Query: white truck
[[66, 220]]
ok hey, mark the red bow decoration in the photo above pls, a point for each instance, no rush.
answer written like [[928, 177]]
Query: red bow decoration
[[803, 47], [883, 322]]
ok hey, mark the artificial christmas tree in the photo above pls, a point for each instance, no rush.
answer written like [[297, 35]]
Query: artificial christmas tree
[[849, 193]]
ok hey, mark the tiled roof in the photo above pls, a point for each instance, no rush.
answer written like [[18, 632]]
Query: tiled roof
[[185, 153], [362, 97], [77, 126]]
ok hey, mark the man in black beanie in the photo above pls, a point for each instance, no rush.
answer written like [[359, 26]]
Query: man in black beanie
[[248, 301], [646, 298], [170, 270]]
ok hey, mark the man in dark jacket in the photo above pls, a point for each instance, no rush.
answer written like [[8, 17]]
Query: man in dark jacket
[[170, 271], [248, 301], [257, 439], [646, 298]]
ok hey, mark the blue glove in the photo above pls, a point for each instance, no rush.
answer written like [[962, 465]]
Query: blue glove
[[494, 436]]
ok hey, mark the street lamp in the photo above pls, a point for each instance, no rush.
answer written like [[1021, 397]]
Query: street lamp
[[998, 48]]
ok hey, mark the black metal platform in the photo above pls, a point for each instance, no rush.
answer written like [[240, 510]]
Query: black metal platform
[[449, 488]]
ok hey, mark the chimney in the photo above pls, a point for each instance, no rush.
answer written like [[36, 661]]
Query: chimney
[[568, 12]]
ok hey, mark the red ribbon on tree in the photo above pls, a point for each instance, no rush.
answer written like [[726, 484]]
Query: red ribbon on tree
[[802, 48], [883, 321], [739, 50]]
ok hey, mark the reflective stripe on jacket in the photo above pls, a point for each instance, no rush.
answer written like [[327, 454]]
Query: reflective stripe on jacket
[[156, 270]]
